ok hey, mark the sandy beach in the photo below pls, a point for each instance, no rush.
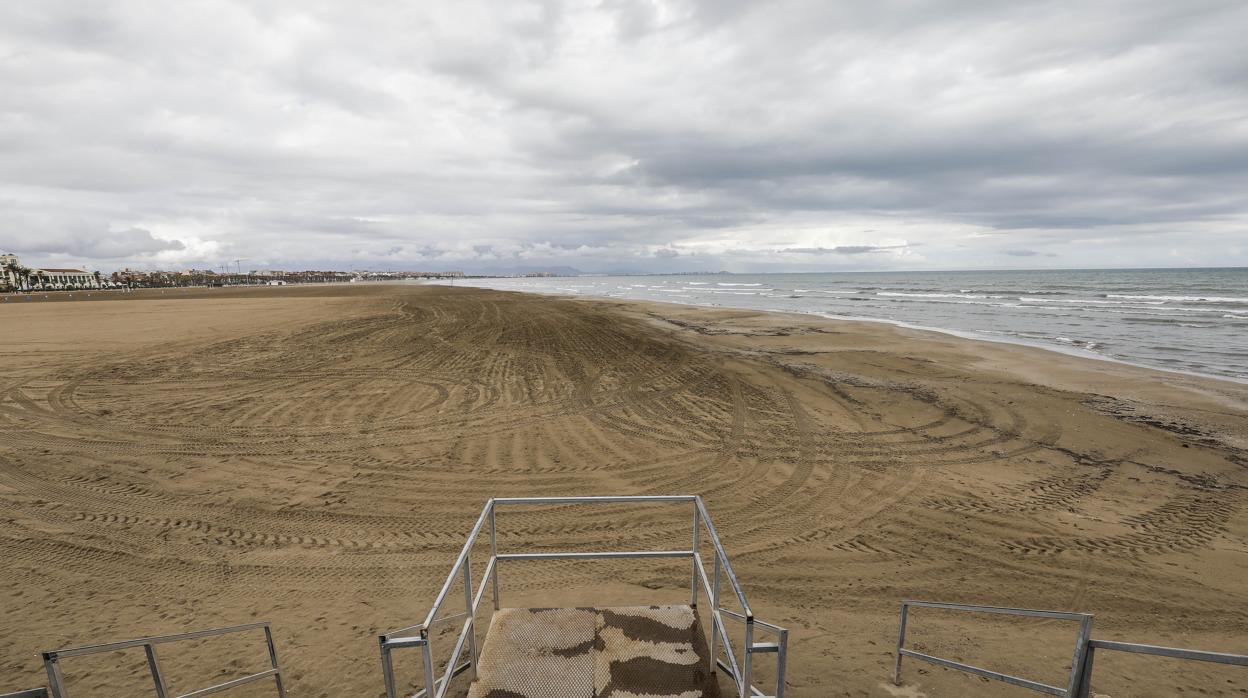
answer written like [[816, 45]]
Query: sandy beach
[[314, 456]]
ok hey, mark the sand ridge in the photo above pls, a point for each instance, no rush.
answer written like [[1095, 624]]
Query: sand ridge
[[314, 456]]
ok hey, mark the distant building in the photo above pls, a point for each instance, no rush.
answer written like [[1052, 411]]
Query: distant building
[[14, 276], [10, 273], [67, 278]]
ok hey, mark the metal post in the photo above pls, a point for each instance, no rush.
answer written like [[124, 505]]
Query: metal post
[[901, 642], [472, 622], [56, 680], [781, 658], [277, 675], [697, 534], [748, 659], [387, 668], [494, 552], [154, 665], [1085, 681], [1081, 649], [715, 615], [427, 656]]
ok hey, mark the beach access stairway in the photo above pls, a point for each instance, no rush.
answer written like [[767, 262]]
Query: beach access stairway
[[661, 650], [657, 651]]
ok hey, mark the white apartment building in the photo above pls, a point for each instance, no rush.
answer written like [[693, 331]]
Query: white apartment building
[[14, 276]]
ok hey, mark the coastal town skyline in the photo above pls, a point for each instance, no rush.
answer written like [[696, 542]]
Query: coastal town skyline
[[15, 276]]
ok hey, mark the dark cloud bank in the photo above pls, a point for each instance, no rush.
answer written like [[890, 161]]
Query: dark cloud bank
[[625, 135]]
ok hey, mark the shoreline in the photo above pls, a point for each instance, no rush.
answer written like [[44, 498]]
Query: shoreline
[[961, 334], [1170, 400]]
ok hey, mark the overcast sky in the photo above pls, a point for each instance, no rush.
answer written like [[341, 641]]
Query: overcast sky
[[695, 134]]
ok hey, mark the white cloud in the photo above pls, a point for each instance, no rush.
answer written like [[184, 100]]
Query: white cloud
[[605, 135]]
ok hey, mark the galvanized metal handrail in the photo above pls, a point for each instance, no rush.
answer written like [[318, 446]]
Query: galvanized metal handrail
[[56, 679], [1076, 666], [1085, 650], [723, 556], [1085, 685], [741, 674], [436, 687]]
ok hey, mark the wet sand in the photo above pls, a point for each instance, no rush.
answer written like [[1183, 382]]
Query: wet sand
[[314, 456]]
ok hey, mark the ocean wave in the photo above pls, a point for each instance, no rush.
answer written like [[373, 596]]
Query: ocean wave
[[1182, 299], [1169, 322], [728, 284], [1082, 343], [1018, 291], [1175, 310], [926, 295], [987, 289], [951, 300], [1091, 301]]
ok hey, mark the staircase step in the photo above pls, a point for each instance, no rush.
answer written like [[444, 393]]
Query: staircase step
[[617, 652]]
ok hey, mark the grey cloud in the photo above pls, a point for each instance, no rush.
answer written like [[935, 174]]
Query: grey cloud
[[77, 240], [842, 249], [126, 243], [601, 135]]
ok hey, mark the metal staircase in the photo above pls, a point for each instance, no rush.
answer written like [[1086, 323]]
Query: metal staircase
[[591, 652]]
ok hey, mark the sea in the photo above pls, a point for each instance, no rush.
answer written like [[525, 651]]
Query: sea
[[1187, 320]]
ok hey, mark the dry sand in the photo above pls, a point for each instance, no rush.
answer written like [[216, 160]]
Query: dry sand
[[314, 457]]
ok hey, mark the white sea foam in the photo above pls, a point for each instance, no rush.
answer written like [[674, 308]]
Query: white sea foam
[[925, 295], [1181, 299]]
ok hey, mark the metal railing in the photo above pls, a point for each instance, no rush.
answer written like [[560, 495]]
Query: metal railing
[[1080, 685], [28, 693], [1085, 685], [1076, 666], [740, 672], [52, 661]]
